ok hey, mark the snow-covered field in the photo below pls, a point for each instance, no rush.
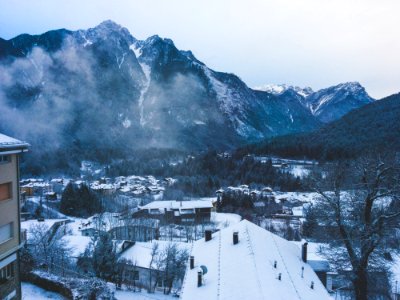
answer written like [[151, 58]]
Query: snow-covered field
[[33, 292]]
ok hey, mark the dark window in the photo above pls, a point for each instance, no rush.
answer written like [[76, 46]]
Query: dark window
[[135, 275], [4, 159], [7, 272]]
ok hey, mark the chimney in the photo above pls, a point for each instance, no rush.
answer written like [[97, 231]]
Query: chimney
[[304, 252], [207, 235], [235, 237], [199, 278], [192, 262]]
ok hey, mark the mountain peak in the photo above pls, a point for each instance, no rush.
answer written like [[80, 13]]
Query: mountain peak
[[105, 30], [353, 86], [279, 89], [110, 25], [333, 102], [157, 39]]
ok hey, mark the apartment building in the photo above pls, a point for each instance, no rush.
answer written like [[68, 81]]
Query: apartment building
[[10, 235]]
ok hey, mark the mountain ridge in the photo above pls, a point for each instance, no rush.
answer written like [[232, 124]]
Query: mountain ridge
[[103, 90]]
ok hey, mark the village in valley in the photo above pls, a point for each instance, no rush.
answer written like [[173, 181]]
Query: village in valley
[[159, 150], [172, 247]]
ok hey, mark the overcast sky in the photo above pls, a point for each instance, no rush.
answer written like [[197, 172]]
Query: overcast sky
[[314, 43]]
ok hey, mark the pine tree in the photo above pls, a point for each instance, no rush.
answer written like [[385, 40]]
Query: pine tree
[[68, 201], [105, 258]]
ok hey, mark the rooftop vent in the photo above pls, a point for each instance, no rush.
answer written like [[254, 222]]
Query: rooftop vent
[[235, 237], [192, 262], [304, 252], [207, 235]]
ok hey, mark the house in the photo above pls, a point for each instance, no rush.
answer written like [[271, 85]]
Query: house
[[140, 229], [245, 261], [10, 232], [178, 212], [100, 223], [121, 228], [138, 258]]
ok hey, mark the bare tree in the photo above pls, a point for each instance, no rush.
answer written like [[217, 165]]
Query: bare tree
[[154, 254], [359, 206], [48, 248]]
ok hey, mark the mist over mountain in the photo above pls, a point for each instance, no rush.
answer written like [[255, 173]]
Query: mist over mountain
[[99, 93]]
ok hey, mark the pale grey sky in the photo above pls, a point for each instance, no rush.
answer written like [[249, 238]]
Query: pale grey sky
[[314, 43]]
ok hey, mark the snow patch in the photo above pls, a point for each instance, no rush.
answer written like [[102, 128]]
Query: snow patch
[[147, 73], [198, 122], [127, 123], [31, 291], [136, 50]]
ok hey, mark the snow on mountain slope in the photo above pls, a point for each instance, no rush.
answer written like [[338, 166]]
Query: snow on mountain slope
[[326, 104], [278, 89], [116, 91], [332, 103]]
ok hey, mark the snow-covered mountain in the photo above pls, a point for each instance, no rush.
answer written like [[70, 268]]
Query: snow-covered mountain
[[278, 89], [326, 104], [334, 102], [102, 92]]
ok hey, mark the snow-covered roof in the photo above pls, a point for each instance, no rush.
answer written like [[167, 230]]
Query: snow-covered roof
[[8, 143], [173, 204], [140, 253], [314, 256], [246, 270], [103, 222]]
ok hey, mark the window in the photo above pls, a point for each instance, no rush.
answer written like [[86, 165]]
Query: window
[[135, 275], [5, 191], [6, 232], [4, 159], [7, 272]]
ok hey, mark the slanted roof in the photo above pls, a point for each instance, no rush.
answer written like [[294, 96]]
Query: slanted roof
[[140, 253], [9, 144], [246, 270], [173, 204]]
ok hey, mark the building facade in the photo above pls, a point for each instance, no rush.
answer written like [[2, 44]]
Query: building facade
[[177, 212], [11, 238]]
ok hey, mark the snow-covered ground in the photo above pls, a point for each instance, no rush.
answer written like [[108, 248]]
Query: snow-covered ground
[[33, 292], [297, 196], [299, 170], [223, 220], [36, 199], [127, 295], [140, 253]]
